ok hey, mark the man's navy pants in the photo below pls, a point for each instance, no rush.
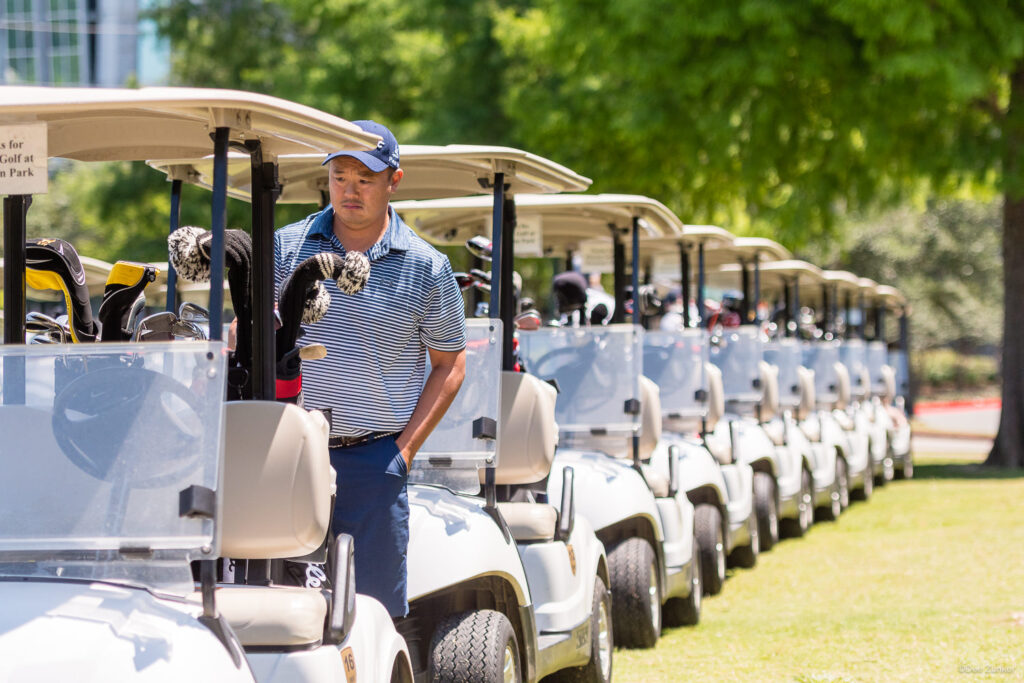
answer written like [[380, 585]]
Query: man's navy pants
[[373, 507]]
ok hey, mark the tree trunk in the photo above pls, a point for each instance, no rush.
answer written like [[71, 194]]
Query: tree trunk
[[1008, 449]]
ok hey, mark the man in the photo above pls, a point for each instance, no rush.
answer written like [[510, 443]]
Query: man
[[377, 342]]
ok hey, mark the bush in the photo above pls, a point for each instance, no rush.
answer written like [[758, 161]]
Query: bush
[[945, 367]]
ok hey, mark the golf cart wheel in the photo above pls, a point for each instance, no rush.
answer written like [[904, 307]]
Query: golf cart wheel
[[767, 509], [686, 611], [795, 528], [865, 491], [843, 482], [710, 547], [745, 556], [478, 645], [636, 593], [906, 468], [599, 668], [830, 512]]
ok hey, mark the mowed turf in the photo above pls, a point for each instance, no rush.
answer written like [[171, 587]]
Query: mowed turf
[[924, 582]]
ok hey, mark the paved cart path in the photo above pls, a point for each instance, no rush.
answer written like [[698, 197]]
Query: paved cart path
[[923, 582]]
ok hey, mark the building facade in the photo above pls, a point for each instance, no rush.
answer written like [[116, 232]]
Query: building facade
[[79, 42]]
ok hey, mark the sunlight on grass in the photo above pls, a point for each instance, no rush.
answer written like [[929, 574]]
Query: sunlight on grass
[[922, 582]]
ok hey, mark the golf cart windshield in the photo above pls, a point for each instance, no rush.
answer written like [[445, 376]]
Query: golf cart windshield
[[457, 448], [821, 356], [898, 361], [785, 355], [737, 354], [877, 360], [598, 374], [107, 452], [675, 362]]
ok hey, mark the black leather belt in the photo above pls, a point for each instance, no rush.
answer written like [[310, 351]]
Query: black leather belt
[[349, 441]]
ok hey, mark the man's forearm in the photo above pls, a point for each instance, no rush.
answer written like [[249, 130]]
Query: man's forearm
[[439, 391]]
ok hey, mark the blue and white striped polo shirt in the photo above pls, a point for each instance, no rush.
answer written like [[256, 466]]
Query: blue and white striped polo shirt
[[376, 340]]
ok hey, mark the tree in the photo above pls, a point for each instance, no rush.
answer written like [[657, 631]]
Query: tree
[[781, 115]]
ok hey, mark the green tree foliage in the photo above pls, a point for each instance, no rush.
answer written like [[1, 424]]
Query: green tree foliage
[[946, 260]]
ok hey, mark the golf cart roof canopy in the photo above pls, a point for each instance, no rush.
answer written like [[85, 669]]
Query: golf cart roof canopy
[[891, 297], [120, 124], [774, 275], [431, 172], [843, 279], [568, 220], [867, 286]]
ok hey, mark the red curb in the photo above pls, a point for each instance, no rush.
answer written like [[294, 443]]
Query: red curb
[[973, 403]]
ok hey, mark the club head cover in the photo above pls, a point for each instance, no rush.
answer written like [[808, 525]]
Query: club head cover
[[54, 264], [188, 250], [126, 282]]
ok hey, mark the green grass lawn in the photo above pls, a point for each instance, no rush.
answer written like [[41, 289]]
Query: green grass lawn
[[924, 582]]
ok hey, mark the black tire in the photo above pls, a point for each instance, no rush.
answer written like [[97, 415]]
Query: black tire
[[710, 547], [474, 646], [906, 468], [796, 528], [745, 556], [598, 669], [865, 491], [636, 593], [830, 511], [766, 507], [843, 481], [686, 611]]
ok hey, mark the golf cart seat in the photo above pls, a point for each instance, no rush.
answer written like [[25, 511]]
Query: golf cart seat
[[276, 504], [719, 447], [769, 391], [776, 431], [805, 379], [812, 430], [525, 451], [889, 382], [842, 387]]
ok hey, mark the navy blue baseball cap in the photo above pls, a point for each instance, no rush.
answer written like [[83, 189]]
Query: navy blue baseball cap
[[385, 156]]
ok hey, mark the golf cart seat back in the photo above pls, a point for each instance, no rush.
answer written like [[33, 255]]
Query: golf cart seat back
[[863, 384], [805, 380], [276, 504], [842, 387], [889, 382], [526, 449], [528, 430], [716, 396], [650, 428], [277, 481], [769, 390]]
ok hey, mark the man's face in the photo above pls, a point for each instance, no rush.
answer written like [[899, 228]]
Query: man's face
[[358, 195]]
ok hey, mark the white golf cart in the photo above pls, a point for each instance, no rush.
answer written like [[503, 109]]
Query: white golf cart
[[832, 380], [126, 473], [890, 376], [604, 409], [692, 403], [810, 432], [503, 586], [782, 479]]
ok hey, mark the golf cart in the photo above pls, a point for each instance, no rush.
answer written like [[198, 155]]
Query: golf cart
[[692, 403], [504, 585], [141, 477], [782, 479], [832, 379], [889, 376], [604, 407]]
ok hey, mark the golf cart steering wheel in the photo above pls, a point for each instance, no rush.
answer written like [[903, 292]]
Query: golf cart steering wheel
[[97, 414]]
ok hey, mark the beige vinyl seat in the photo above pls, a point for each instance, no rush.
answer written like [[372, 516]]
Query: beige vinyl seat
[[889, 382], [806, 407], [843, 397], [276, 503], [769, 406], [525, 450], [719, 447]]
